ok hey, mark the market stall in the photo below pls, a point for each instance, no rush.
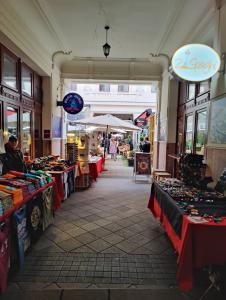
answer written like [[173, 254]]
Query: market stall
[[64, 172], [95, 166], [27, 204], [195, 220], [65, 181]]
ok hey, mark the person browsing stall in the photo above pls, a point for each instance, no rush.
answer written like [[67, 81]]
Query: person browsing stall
[[13, 159]]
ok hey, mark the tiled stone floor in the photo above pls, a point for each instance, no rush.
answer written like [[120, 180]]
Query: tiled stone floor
[[103, 237]]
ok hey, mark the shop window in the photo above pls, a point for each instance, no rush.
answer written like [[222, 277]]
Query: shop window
[[87, 88], [38, 151], [188, 134], [190, 91], [203, 87], [26, 138], [140, 89], [26, 81], [200, 135], [9, 71], [123, 88], [12, 120], [154, 88], [104, 88]]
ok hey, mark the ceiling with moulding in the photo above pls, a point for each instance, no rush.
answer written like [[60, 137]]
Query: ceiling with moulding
[[137, 28]]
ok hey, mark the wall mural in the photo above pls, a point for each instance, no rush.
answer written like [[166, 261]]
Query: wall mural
[[217, 129]]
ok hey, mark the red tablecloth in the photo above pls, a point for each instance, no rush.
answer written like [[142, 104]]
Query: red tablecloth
[[95, 168], [58, 175], [200, 244]]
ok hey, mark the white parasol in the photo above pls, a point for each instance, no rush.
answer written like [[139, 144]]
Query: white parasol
[[109, 121]]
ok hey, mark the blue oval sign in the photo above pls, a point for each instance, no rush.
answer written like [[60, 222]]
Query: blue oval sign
[[73, 103], [195, 62]]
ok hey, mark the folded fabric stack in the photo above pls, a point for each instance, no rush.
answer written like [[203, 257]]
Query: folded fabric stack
[[16, 194], [1, 209], [45, 175], [5, 181], [30, 188], [37, 178], [17, 186], [42, 179], [6, 201], [31, 178], [20, 185], [15, 174], [9, 176]]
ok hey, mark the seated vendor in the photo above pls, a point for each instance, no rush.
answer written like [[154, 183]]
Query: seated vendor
[[13, 159]]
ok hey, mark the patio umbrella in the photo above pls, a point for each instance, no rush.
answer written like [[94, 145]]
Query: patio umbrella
[[110, 122]]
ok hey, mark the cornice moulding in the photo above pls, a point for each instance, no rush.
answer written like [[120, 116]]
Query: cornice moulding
[[114, 77], [50, 22], [206, 22], [23, 38], [173, 19], [109, 60]]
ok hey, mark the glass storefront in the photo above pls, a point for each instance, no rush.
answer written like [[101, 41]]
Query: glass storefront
[[26, 138], [200, 132], [189, 134], [9, 72], [12, 120]]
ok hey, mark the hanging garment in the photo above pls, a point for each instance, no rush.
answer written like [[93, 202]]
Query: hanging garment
[[47, 196], [22, 234], [4, 253], [71, 181], [35, 217], [66, 188]]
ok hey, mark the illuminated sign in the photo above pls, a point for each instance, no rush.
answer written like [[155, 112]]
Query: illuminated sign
[[195, 62], [73, 103]]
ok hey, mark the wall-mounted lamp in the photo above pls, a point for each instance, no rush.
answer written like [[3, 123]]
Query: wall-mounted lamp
[[106, 46]]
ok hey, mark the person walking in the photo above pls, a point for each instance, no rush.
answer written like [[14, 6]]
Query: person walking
[[113, 149], [141, 144], [146, 147]]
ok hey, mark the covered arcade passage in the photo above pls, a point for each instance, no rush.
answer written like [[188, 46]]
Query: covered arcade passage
[[105, 236]]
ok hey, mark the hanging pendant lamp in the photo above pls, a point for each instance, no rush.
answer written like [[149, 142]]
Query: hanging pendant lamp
[[106, 46]]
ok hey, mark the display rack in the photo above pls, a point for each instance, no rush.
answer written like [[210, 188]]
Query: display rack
[[83, 180], [71, 150]]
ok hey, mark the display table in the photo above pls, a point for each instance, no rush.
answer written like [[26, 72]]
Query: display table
[[61, 178], [197, 244], [29, 197], [22, 225], [96, 167]]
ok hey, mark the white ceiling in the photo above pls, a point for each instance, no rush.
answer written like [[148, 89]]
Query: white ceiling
[[137, 27]]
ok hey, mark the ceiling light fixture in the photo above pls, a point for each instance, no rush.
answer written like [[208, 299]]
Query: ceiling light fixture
[[106, 46]]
